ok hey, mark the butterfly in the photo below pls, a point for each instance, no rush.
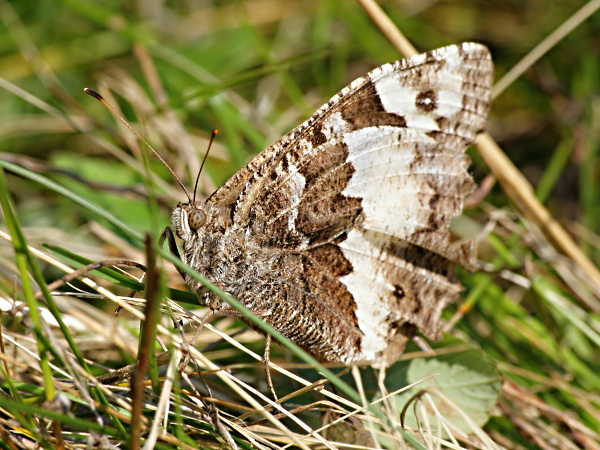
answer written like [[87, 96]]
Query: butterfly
[[337, 234]]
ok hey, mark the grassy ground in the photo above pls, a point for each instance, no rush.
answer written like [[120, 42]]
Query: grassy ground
[[521, 367]]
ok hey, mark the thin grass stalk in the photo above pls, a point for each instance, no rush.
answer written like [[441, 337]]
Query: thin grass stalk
[[26, 264]]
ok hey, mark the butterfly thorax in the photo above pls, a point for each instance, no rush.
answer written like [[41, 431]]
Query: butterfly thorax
[[211, 246]]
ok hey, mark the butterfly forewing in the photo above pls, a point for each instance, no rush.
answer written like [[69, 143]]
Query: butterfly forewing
[[337, 234]]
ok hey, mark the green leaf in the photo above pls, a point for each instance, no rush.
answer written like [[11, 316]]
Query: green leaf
[[465, 383]]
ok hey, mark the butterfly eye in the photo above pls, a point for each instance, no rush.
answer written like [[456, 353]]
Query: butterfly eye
[[196, 219]]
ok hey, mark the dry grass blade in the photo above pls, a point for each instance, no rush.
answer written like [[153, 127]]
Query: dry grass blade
[[543, 47], [522, 195]]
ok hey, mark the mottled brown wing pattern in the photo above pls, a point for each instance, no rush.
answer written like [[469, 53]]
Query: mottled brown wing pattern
[[337, 235]]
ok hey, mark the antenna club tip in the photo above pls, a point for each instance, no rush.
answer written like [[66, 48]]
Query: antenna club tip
[[215, 131], [93, 93]]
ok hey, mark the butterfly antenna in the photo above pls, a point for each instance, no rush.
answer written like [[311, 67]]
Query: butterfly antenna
[[212, 138], [118, 116]]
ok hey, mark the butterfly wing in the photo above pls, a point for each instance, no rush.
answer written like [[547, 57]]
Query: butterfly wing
[[347, 216]]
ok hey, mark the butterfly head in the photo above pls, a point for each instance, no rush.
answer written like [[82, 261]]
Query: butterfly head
[[188, 219]]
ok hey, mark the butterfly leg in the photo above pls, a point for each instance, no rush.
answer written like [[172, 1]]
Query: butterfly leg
[[168, 235], [266, 360], [266, 356]]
